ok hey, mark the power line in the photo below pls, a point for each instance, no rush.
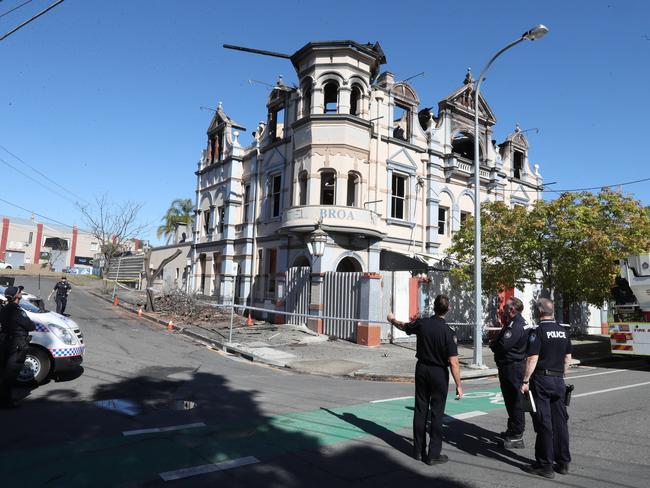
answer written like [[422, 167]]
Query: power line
[[598, 187], [42, 174], [42, 12], [36, 181], [15, 8], [35, 213]]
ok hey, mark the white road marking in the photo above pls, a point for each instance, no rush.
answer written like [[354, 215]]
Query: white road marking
[[595, 374], [468, 415], [610, 389], [162, 429], [208, 468], [391, 399]]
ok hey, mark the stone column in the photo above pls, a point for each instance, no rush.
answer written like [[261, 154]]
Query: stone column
[[344, 99], [317, 101]]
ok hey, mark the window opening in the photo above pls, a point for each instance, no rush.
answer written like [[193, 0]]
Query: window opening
[[302, 188], [247, 196], [277, 124], [276, 190], [306, 98], [355, 101], [206, 221], [222, 217], [331, 93], [271, 270], [401, 122], [518, 164], [463, 145], [327, 188], [398, 197], [353, 190], [442, 220], [463, 218]]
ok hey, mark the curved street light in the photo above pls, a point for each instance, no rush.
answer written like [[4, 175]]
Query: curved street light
[[532, 35]]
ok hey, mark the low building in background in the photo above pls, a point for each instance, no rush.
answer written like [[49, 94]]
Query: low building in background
[[28, 243]]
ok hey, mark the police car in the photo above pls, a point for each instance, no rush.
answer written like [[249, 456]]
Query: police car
[[57, 343]]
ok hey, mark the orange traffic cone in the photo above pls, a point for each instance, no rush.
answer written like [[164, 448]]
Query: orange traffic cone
[[170, 325], [140, 311], [249, 321], [115, 300]]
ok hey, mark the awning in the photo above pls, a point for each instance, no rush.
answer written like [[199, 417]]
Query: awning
[[394, 261]]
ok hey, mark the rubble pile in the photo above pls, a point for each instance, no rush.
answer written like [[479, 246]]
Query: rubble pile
[[191, 310]]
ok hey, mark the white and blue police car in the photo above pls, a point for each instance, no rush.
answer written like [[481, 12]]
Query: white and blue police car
[[57, 343]]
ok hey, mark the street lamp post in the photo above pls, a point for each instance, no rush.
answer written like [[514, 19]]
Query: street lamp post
[[316, 241], [531, 35]]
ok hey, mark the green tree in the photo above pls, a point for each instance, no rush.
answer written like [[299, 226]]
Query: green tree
[[570, 245], [180, 212]]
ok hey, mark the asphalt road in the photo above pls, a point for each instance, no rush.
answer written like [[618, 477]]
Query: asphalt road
[[249, 425]]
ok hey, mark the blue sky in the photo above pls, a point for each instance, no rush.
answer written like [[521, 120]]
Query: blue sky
[[104, 96]]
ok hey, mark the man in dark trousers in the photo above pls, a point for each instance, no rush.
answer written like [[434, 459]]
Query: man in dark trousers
[[15, 327], [62, 290], [436, 351], [510, 355], [549, 358]]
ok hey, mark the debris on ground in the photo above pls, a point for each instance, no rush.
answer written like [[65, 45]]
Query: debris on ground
[[189, 309]]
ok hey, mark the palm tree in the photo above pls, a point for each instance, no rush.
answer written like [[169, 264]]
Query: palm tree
[[180, 212]]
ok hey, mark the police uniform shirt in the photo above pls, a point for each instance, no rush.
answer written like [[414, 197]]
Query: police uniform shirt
[[436, 340], [510, 344], [14, 321], [551, 343], [62, 288]]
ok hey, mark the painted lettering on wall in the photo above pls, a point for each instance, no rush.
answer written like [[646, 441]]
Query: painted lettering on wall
[[334, 213]]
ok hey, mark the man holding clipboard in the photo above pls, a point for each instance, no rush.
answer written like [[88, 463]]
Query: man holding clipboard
[[549, 357]]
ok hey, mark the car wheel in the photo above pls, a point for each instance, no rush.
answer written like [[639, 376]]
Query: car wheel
[[37, 367], [8, 267]]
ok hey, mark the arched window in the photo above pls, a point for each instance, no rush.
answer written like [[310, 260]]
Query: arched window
[[463, 145], [349, 265], [355, 100], [354, 185], [306, 97], [302, 188], [328, 188], [331, 97]]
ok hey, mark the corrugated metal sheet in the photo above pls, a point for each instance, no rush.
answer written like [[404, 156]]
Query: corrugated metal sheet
[[341, 299]]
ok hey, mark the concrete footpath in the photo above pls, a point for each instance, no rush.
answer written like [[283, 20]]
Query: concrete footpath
[[297, 348]]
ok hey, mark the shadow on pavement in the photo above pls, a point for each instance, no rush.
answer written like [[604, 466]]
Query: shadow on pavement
[[477, 441], [78, 444]]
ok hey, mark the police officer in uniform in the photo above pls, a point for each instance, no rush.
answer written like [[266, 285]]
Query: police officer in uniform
[[62, 290], [549, 357], [436, 351], [509, 349], [14, 339]]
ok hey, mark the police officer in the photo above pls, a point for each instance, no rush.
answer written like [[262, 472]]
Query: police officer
[[16, 326], [510, 355], [549, 357], [62, 290], [436, 350]]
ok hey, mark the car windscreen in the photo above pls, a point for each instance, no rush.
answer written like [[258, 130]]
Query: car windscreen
[[30, 307]]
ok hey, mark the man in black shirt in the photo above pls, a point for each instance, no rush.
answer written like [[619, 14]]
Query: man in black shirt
[[549, 358], [436, 350], [14, 340], [510, 355], [62, 290]]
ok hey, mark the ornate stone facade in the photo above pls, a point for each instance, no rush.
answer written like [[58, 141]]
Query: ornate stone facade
[[349, 149]]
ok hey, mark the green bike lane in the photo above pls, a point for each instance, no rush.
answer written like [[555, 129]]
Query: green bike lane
[[119, 459]]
